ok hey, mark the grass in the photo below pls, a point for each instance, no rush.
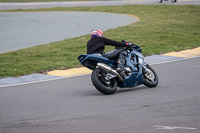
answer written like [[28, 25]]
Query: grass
[[162, 28]]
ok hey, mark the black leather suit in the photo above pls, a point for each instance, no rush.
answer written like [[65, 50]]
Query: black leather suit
[[97, 45]]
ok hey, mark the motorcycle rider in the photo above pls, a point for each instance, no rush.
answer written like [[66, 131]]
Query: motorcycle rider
[[97, 45]]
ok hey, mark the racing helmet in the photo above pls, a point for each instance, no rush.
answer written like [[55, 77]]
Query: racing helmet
[[96, 32]]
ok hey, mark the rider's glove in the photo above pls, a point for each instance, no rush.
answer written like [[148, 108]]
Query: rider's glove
[[128, 44]]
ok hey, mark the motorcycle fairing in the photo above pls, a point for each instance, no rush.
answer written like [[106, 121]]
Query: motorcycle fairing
[[134, 60], [135, 79], [90, 60]]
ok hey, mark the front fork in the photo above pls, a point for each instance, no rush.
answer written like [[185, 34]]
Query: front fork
[[144, 68], [147, 72]]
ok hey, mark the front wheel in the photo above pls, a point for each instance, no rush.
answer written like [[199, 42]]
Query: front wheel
[[102, 84], [159, 1], [150, 77]]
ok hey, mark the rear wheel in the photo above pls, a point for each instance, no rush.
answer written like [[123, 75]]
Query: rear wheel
[[159, 1], [102, 84], [150, 77]]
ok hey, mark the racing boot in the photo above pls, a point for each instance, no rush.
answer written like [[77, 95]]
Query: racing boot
[[120, 66]]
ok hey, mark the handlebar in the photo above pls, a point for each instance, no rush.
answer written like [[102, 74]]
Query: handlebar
[[131, 47]]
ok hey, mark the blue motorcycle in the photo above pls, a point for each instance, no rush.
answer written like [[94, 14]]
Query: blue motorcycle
[[160, 1], [106, 79]]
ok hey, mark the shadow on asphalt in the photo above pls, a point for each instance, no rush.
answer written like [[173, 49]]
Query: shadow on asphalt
[[123, 90], [95, 92]]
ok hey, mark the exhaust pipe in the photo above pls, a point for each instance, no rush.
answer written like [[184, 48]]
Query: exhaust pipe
[[108, 69]]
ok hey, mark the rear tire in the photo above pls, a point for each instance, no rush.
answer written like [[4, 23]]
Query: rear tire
[[106, 87], [150, 78]]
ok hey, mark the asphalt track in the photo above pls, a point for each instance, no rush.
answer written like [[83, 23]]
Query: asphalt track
[[28, 29], [31, 29], [36, 5], [74, 105]]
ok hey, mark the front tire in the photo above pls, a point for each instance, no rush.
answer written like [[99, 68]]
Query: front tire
[[150, 77], [159, 1], [106, 87]]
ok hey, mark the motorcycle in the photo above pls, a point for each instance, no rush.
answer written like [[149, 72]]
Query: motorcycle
[[105, 77], [160, 1]]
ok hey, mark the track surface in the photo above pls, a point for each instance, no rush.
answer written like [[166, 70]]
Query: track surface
[[36, 5], [73, 105], [29, 29]]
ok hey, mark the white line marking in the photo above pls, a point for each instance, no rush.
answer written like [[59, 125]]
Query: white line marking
[[173, 128], [45, 80], [89, 73], [174, 60]]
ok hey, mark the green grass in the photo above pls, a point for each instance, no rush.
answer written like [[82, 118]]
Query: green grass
[[162, 28]]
